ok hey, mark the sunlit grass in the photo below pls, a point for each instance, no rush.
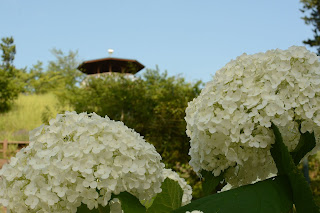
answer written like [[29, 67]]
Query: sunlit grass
[[28, 113]]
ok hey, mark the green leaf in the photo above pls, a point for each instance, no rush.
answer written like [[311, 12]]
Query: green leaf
[[302, 195], [84, 209], [129, 203], [210, 182], [306, 143], [280, 157], [272, 195], [169, 199]]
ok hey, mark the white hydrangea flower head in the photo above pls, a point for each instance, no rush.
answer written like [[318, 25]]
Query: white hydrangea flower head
[[229, 122], [187, 190], [79, 158], [194, 211]]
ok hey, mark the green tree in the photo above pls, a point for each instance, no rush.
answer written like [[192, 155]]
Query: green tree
[[8, 90], [10, 84], [166, 129], [35, 82], [8, 51], [63, 71], [312, 17], [60, 74]]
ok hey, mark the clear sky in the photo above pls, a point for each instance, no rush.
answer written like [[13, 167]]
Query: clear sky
[[191, 37]]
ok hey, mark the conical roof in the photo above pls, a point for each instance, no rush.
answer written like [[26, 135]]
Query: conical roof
[[111, 65]]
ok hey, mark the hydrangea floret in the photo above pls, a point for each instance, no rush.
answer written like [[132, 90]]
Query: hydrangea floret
[[115, 206], [79, 158], [229, 122]]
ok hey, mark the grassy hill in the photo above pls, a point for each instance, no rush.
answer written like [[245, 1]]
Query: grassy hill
[[29, 112]]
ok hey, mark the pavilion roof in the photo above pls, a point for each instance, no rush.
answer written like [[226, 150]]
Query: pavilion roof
[[111, 65]]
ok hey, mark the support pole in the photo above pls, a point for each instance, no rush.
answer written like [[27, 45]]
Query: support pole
[[5, 147]]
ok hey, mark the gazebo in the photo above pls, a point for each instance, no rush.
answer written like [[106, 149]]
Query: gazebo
[[110, 65]]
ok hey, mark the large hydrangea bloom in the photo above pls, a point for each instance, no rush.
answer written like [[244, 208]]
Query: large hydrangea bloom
[[229, 123], [79, 158]]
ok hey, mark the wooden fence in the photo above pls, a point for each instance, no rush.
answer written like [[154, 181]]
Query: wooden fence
[[4, 149]]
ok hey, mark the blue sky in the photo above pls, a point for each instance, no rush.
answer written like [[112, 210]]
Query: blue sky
[[193, 38]]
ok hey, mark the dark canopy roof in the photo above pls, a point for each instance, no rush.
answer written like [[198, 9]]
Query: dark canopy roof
[[111, 65]]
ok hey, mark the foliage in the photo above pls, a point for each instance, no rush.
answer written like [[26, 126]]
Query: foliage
[[186, 188], [306, 143], [314, 172], [312, 7], [130, 203], [153, 105], [60, 74], [166, 201], [263, 197], [10, 84], [210, 182], [185, 171], [301, 193], [38, 82], [169, 199], [8, 90], [8, 51], [63, 71]]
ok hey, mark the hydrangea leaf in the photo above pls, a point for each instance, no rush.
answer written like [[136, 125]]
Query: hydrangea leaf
[[84, 209], [302, 195], [306, 143], [272, 195], [169, 199], [187, 189], [129, 203], [210, 182]]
